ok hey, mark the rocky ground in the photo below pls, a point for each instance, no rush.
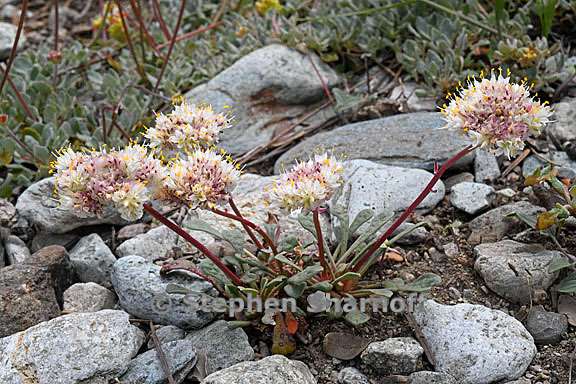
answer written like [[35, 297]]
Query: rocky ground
[[82, 299]]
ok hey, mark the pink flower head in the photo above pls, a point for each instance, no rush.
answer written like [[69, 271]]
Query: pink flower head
[[308, 184], [497, 114], [202, 179], [96, 181]]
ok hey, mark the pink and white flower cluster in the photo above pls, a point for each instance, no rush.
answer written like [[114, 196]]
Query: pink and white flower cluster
[[93, 182], [497, 114], [203, 179], [186, 128], [308, 184]]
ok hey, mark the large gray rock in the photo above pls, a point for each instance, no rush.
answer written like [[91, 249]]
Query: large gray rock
[[275, 369], [88, 297], [223, 346], [151, 245], [384, 188], [16, 250], [93, 260], [87, 348], [142, 292], [411, 140], [475, 344], [394, 356], [514, 270], [427, 377], [7, 37], [40, 207], [472, 197], [563, 128], [268, 90], [495, 224], [147, 368], [26, 298]]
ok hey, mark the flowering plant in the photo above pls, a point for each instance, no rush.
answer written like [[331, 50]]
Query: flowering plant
[[179, 166]]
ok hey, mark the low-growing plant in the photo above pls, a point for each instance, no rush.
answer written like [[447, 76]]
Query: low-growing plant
[[179, 166]]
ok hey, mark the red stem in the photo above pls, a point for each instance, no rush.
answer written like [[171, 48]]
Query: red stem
[[250, 224], [186, 236], [437, 175], [160, 19], [193, 33], [246, 227], [320, 238], [139, 67], [140, 19]]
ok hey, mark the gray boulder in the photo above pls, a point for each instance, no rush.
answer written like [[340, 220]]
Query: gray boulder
[[514, 270], [275, 369], [411, 140], [475, 344], [147, 368], [268, 90], [143, 293], [384, 188], [223, 346], [93, 260], [495, 224], [471, 197], [40, 207], [427, 377], [88, 297], [166, 334], [394, 356], [88, 348], [351, 375]]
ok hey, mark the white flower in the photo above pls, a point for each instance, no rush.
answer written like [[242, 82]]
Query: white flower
[[497, 114]]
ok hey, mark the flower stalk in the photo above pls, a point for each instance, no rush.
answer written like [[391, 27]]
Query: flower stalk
[[402, 218], [201, 247]]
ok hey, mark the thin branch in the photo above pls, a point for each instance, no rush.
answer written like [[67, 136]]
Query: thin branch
[[429, 187], [23, 12], [139, 67], [19, 96], [322, 81], [161, 355], [320, 238], [246, 227], [140, 19], [193, 33], [201, 247], [171, 47], [56, 37], [158, 14]]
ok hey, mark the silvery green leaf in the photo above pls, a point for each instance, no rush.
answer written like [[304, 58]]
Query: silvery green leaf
[[362, 217], [568, 284], [306, 274], [295, 290], [356, 317], [307, 222], [423, 283], [177, 289], [558, 263], [323, 286]]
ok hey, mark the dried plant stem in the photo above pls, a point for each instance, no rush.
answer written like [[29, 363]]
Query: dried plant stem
[[158, 14], [193, 33], [56, 27], [19, 96], [23, 12], [245, 226], [171, 46], [201, 247], [136, 8], [250, 224], [161, 355], [139, 67], [437, 175]]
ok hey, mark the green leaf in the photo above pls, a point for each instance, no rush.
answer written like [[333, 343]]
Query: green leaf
[[356, 317], [423, 283], [558, 263], [7, 148], [323, 286], [177, 289], [294, 290], [381, 292], [362, 217], [568, 284], [307, 222], [306, 274], [347, 276]]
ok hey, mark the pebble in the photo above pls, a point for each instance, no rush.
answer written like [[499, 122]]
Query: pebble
[[400, 355], [88, 297]]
